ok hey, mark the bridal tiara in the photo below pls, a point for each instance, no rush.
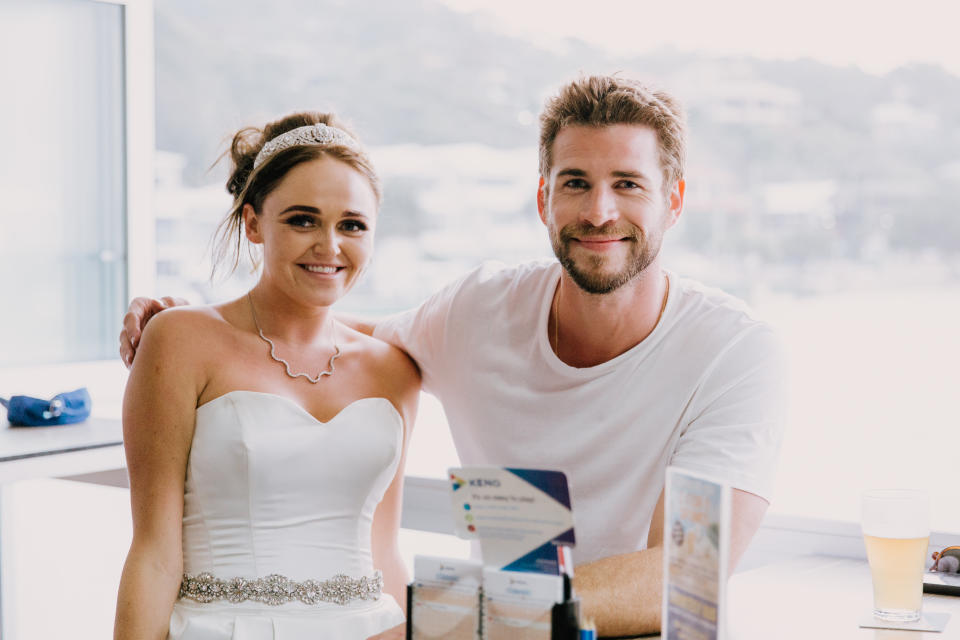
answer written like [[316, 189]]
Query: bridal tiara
[[313, 134]]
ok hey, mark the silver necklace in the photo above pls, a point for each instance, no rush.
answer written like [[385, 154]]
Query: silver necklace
[[286, 365]]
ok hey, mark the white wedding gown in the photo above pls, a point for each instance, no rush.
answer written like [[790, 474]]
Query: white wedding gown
[[272, 490]]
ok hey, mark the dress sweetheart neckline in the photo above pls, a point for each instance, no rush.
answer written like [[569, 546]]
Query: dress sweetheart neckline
[[301, 409]]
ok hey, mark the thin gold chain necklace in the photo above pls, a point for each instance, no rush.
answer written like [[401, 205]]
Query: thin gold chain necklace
[[556, 312], [286, 365]]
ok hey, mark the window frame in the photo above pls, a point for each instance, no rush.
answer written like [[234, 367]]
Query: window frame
[[138, 167]]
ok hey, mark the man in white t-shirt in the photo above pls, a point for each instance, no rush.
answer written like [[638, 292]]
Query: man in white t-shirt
[[602, 365]]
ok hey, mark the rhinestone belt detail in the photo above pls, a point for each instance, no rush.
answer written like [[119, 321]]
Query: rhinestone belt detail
[[276, 589]]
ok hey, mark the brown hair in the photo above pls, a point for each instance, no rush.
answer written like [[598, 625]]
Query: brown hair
[[599, 101], [251, 186]]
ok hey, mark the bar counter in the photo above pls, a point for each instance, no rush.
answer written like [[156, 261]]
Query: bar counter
[[817, 598]]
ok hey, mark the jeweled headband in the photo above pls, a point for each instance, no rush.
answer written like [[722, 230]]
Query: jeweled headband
[[313, 134]]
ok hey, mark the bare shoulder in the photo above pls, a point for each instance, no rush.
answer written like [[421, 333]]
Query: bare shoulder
[[185, 336], [191, 325], [394, 376], [181, 347]]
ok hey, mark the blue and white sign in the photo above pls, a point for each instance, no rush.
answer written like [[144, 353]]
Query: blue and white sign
[[522, 517]]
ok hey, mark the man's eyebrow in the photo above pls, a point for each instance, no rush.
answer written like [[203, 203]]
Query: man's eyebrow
[[580, 173], [301, 207], [636, 175]]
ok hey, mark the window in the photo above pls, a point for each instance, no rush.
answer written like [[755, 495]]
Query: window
[[76, 120], [820, 191], [76, 178], [63, 242]]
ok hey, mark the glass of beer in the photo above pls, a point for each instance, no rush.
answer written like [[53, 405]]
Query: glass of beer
[[896, 531]]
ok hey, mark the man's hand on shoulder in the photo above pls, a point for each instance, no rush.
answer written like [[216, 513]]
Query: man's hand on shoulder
[[138, 315]]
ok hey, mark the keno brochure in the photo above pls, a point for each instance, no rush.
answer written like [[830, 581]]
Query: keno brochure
[[696, 521]]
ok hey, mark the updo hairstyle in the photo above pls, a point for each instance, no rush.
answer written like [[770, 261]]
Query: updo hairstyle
[[251, 186]]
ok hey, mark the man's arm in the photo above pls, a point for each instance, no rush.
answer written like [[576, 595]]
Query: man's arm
[[735, 435], [362, 324], [623, 593]]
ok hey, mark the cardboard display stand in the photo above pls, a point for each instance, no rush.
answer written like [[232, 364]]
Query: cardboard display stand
[[523, 521], [696, 537]]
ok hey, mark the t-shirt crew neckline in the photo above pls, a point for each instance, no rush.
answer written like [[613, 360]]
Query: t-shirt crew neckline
[[558, 365]]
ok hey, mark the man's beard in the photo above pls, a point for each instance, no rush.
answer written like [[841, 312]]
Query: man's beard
[[592, 278]]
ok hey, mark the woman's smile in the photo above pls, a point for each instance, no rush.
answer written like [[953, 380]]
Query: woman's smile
[[322, 269]]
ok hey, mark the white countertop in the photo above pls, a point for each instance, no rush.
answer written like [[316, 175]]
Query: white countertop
[[57, 451]]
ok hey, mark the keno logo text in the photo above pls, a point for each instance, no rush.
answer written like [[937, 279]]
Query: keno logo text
[[484, 482]]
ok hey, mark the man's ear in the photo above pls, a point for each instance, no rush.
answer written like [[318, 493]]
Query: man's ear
[[675, 201], [542, 200], [251, 224]]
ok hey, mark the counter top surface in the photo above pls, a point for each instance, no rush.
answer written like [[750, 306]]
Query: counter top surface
[[17, 443], [821, 598]]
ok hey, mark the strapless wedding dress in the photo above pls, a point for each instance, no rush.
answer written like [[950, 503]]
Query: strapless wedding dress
[[272, 490]]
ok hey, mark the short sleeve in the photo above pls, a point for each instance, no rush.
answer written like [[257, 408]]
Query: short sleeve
[[739, 412], [422, 332]]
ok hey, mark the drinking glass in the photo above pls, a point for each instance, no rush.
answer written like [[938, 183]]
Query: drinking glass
[[896, 532]]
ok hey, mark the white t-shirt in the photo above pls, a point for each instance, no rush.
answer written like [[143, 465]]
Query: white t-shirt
[[703, 391]]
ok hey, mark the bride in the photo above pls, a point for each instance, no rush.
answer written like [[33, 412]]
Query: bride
[[265, 440]]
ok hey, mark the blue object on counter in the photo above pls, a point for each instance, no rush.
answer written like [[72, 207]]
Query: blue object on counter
[[64, 408], [588, 634]]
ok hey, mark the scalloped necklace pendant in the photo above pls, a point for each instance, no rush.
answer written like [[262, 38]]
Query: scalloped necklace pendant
[[286, 365]]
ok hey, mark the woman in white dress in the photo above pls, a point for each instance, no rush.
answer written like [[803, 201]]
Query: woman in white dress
[[265, 440]]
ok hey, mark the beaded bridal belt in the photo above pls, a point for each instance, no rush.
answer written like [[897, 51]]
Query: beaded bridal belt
[[276, 589]]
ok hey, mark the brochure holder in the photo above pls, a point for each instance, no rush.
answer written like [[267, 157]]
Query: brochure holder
[[443, 601], [695, 558], [523, 521]]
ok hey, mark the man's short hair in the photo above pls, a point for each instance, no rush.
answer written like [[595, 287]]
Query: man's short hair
[[606, 100]]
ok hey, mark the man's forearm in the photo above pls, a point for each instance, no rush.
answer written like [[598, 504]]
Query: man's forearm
[[622, 593]]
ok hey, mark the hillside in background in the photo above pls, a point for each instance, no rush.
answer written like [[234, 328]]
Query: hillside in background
[[419, 72]]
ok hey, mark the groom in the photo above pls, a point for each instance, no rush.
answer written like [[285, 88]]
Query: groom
[[602, 364]]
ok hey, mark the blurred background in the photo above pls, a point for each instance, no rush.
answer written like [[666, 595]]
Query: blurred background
[[823, 186]]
